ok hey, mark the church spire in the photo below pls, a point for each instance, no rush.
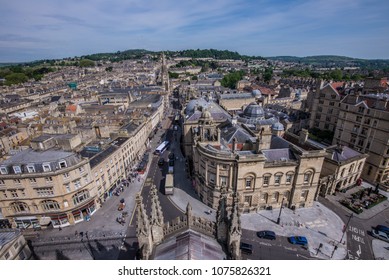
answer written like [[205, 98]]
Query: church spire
[[143, 229], [222, 218], [156, 217], [235, 231]]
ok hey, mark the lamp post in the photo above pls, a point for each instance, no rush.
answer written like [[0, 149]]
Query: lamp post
[[279, 215], [344, 231]]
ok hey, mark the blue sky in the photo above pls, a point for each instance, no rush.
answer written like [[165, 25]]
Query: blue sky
[[39, 29]]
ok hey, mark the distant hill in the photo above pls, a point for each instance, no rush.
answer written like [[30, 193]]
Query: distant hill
[[335, 61]]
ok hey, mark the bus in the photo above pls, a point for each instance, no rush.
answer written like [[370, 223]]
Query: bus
[[169, 184], [161, 148]]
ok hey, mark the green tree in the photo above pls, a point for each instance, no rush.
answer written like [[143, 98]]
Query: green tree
[[268, 74], [230, 80], [15, 78], [336, 75], [173, 75], [86, 63]]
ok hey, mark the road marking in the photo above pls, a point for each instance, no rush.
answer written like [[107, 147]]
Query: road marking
[[290, 249], [359, 252], [265, 244], [358, 238]]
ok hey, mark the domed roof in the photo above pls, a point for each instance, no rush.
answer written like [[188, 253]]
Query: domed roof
[[190, 107], [256, 93], [206, 114], [253, 110], [277, 126]]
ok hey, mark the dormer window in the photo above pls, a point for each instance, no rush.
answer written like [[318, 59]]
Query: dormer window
[[62, 164], [17, 169], [3, 170], [46, 167], [30, 168]]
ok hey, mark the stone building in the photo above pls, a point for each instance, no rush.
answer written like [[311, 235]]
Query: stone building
[[13, 246], [252, 156], [187, 237], [342, 169]]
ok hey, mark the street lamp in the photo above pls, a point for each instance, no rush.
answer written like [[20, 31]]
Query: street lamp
[[279, 215], [344, 231]]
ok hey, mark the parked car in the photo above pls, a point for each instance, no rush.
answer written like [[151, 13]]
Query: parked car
[[161, 162], [300, 240], [266, 234], [171, 156], [246, 248], [382, 228], [380, 235]]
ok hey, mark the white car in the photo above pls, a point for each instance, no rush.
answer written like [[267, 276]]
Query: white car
[[380, 235]]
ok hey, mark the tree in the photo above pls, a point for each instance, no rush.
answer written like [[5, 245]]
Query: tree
[[108, 69], [15, 78], [268, 74], [173, 75], [230, 80], [86, 63], [336, 75]]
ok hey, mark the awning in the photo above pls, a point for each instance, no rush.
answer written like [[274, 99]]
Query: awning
[[45, 221], [26, 218]]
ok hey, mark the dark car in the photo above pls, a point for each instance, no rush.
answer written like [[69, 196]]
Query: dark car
[[161, 162], [246, 248], [171, 162], [382, 228], [300, 240], [171, 156], [266, 234]]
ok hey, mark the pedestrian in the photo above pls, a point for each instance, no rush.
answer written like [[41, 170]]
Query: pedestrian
[[60, 228]]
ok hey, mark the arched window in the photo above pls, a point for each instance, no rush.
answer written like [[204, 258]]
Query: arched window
[[359, 166], [308, 177], [277, 178], [287, 195], [264, 197], [351, 168], [275, 196], [289, 177], [20, 207], [80, 197], [50, 205]]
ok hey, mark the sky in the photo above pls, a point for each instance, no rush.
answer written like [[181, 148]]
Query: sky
[[52, 29]]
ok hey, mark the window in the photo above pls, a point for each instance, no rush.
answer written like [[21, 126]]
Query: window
[[67, 187], [277, 179], [66, 175], [17, 181], [4, 194], [332, 103], [14, 193], [361, 109], [304, 194], [46, 167], [7, 256], [50, 205], [266, 180], [307, 177], [320, 109], [289, 178], [17, 169], [77, 184], [22, 255], [32, 180], [86, 179], [49, 179], [30, 168], [223, 181], [62, 164], [81, 169], [275, 196], [370, 168], [80, 197], [367, 121], [3, 170], [42, 192], [248, 199], [249, 182], [351, 168], [16, 245], [20, 207]]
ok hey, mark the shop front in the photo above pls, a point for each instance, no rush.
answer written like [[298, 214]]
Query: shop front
[[84, 213], [27, 222]]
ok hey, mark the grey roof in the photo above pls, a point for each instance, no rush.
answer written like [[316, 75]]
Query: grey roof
[[230, 131], [344, 153], [32, 156], [278, 154], [7, 236], [189, 245], [254, 110], [191, 106]]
